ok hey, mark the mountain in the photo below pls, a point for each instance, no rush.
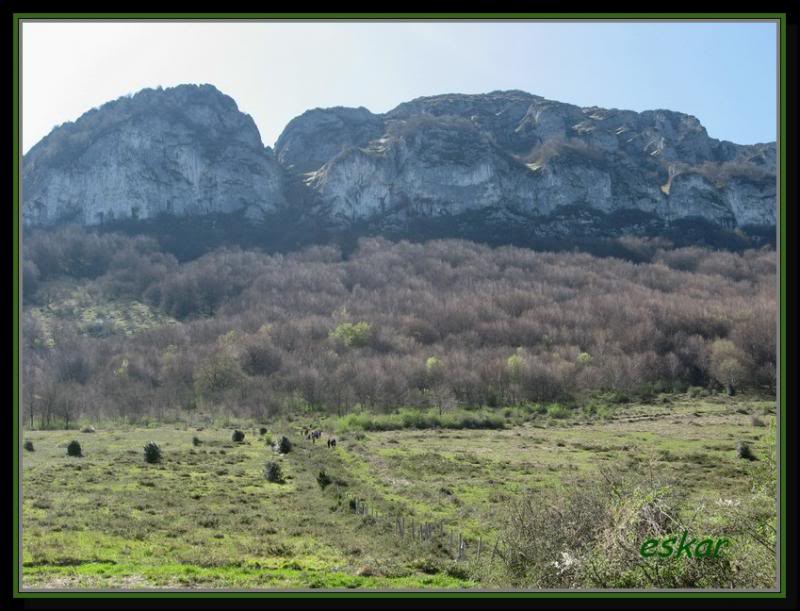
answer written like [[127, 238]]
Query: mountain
[[507, 161], [184, 150], [517, 155]]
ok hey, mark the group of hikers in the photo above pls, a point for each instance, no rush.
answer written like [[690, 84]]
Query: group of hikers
[[314, 434]]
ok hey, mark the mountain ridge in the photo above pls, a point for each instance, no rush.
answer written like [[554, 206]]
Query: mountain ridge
[[510, 156]]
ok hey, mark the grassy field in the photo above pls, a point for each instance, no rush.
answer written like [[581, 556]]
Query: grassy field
[[206, 517]]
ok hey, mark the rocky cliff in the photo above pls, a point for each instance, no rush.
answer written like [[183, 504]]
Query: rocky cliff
[[516, 155], [185, 150], [508, 156]]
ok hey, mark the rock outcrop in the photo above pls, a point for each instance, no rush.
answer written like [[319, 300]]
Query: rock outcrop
[[519, 155], [185, 150]]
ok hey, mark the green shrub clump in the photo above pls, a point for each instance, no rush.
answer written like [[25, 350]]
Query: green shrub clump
[[697, 391], [273, 473], [284, 446], [556, 410], [743, 450], [323, 479], [605, 412], [615, 397], [74, 449], [421, 419], [152, 453]]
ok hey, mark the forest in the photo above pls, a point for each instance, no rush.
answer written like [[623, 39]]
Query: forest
[[116, 327]]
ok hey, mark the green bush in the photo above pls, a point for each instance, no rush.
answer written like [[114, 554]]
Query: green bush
[[645, 393], [556, 410], [696, 391], [238, 436], [421, 419], [614, 396], [28, 445], [152, 453], [743, 450], [605, 412], [74, 449], [273, 473], [284, 446], [662, 386], [323, 479], [481, 421], [429, 566], [679, 386], [456, 571]]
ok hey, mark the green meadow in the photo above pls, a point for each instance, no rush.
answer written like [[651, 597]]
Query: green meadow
[[206, 517]]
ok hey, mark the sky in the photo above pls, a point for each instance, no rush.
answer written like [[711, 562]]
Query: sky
[[725, 74]]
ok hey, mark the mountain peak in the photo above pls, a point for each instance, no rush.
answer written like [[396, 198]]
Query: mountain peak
[[184, 149]]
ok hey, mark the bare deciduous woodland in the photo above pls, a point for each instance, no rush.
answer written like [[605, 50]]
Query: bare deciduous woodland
[[445, 323]]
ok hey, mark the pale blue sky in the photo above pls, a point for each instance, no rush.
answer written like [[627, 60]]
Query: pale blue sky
[[722, 73]]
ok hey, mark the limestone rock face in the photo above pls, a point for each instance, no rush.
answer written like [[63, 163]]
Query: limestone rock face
[[508, 156], [423, 167], [185, 150], [511, 153], [316, 136]]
